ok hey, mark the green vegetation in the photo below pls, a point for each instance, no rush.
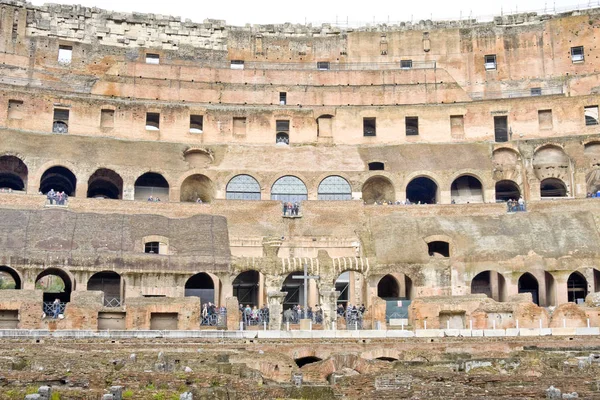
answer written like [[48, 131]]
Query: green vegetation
[[128, 394]]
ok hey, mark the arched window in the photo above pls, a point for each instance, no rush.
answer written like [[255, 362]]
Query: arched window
[[422, 190], [152, 185], [289, 188], [553, 187], [528, 284], [507, 190], [13, 173], [60, 179], [466, 189], [334, 188], [282, 138], [243, 187], [105, 184]]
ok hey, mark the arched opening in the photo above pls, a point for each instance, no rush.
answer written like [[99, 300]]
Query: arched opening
[[109, 283], [282, 139], [553, 187], [246, 288], [507, 190], [9, 278], [466, 189], [151, 186], [378, 189], [196, 187], [528, 284], [388, 359], [438, 248], [295, 291], [302, 361], [577, 288], [289, 189], [105, 184], [551, 161], [490, 283], [56, 284], [334, 188], [60, 179], [422, 190], [243, 187], [325, 126], [388, 288], [201, 285], [13, 173], [376, 166]]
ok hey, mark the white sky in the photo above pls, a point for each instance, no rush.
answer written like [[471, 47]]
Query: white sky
[[238, 12]]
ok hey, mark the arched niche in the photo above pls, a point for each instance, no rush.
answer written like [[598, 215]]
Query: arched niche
[[108, 282], [551, 162], [378, 189], [56, 284], [105, 184], [528, 284], [196, 187], [201, 285], [490, 283], [553, 187], [466, 189], [422, 190], [507, 190], [13, 173], [246, 287], [151, 184], [60, 179]]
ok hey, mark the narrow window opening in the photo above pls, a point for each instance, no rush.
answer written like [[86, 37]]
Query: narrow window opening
[[196, 124], [501, 128], [61, 121], [537, 91], [323, 65], [237, 64], [107, 118], [376, 166], [406, 64], [282, 98], [282, 125], [152, 121], [152, 58], [65, 54], [15, 109], [591, 115], [490, 62], [369, 127], [412, 126], [577, 55], [282, 138]]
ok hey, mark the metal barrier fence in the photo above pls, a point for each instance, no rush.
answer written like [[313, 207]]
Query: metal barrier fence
[[113, 302], [52, 309], [354, 320], [219, 319], [508, 94], [255, 318]]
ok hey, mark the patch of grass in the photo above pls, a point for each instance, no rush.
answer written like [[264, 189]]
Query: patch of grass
[[150, 386], [128, 394], [55, 396]]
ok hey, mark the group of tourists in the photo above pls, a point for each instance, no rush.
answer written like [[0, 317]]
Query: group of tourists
[[154, 199], [210, 313], [406, 202], [57, 198], [515, 205], [254, 315], [291, 209], [593, 194]]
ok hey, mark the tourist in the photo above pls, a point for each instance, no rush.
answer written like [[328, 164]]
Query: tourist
[[150, 198], [340, 309], [50, 196], [521, 204], [56, 308], [199, 200], [204, 311]]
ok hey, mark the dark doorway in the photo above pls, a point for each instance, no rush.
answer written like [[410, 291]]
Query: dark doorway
[[501, 128], [388, 288], [528, 284], [109, 283], [507, 190], [438, 248], [553, 187], [13, 173], [105, 184], [245, 288], [60, 179], [422, 190], [56, 284], [201, 285], [152, 185], [301, 362], [577, 288]]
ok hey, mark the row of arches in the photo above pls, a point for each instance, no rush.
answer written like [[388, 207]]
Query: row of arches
[[106, 183], [493, 284], [248, 286]]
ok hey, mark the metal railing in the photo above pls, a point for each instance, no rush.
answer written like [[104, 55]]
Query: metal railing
[[514, 206], [219, 319], [52, 309], [112, 302], [258, 318], [508, 94], [354, 320]]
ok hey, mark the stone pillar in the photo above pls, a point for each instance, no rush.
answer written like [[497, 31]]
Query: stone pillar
[[261, 290], [275, 299], [494, 285], [226, 290], [313, 293], [351, 287], [233, 314], [128, 188], [81, 188], [328, 305], [560, 285]]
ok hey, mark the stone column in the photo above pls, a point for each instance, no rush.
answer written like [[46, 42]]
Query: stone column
[[275, 299], [328, 305], [233, 314], [261, 290]]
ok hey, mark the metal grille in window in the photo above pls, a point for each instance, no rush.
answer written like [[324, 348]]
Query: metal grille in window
[[243, 187], [289, 188], [323, 65], [61, 119], [282, 125], [490, 62], [412, 126], [151, 247], [536, 91], [591, 115], [282, 138], [334, 188], [577, 54]]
